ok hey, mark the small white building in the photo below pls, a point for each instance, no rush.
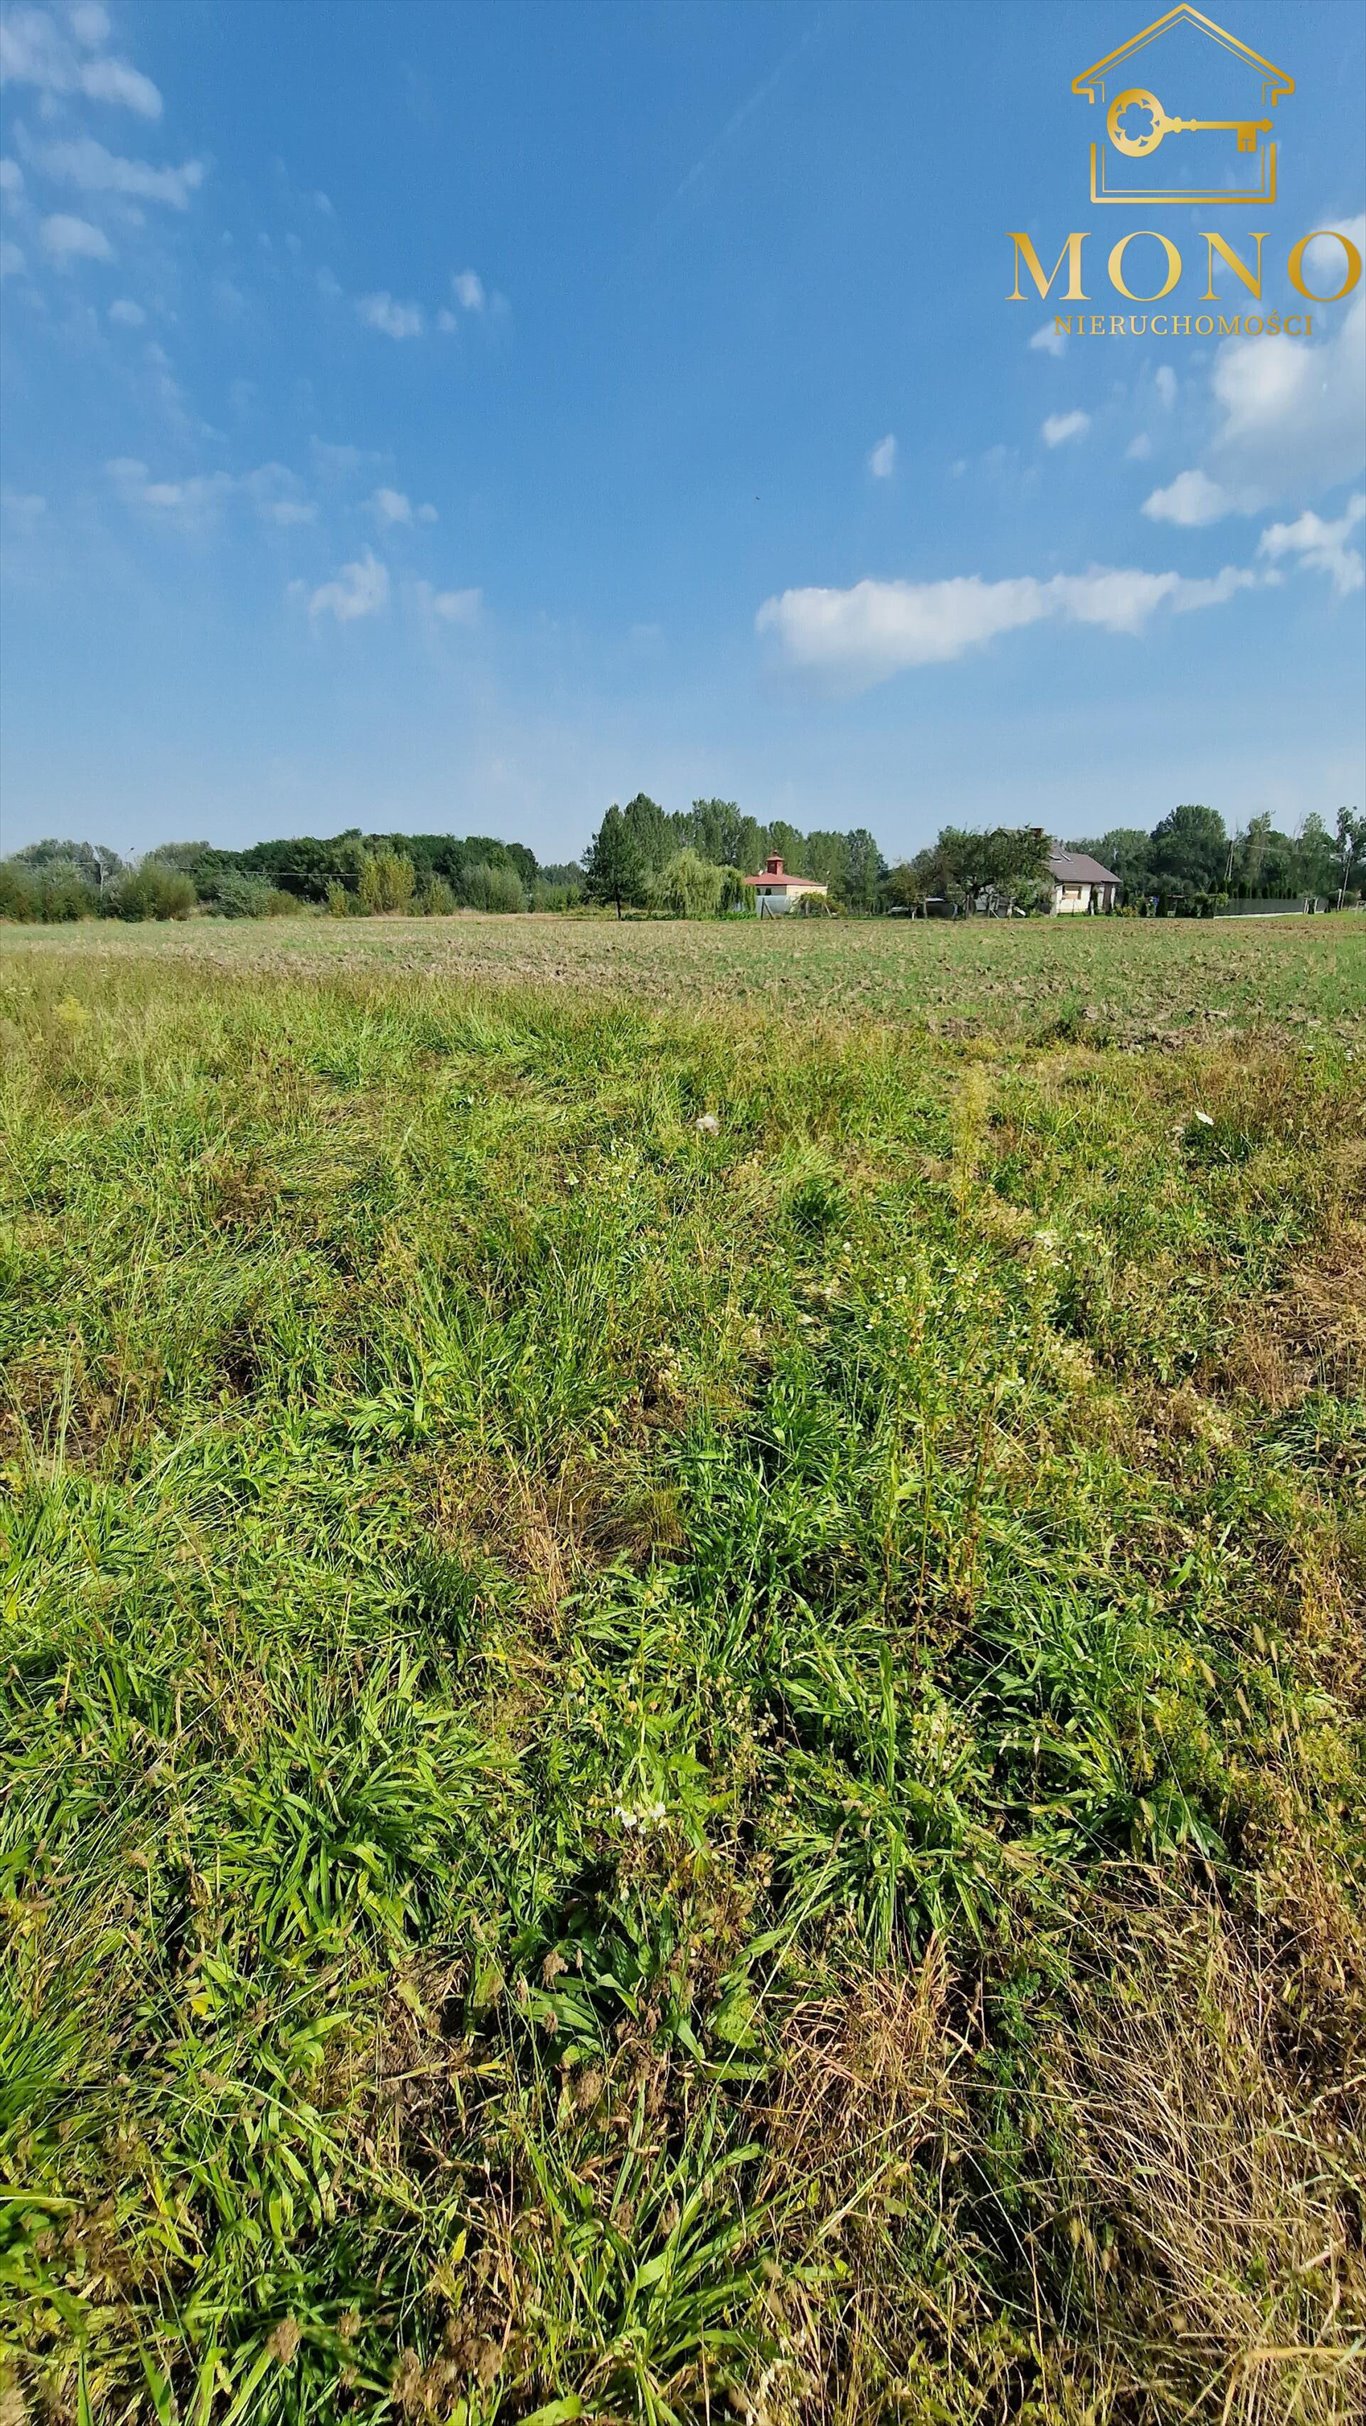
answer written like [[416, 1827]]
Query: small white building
[[775, 892], [1081, 884]]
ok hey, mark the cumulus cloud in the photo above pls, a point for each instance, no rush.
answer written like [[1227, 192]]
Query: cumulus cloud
[[1321, 546], [97, 170], [862, 635], [126, 314], [1191, 500], [392, 318], [468, 289], [1139, 449], [65, 240], [882, 460], [1289, 413], [360, 589], [36, 50], [1050, 339], [1060, 427]]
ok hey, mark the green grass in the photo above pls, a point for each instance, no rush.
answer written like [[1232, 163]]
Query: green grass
[[1117, 981], [660, 1774]]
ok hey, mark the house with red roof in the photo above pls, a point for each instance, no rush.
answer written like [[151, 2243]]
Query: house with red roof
[[775, 892]]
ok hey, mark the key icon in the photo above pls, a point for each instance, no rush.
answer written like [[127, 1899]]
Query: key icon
[[1138, 147]]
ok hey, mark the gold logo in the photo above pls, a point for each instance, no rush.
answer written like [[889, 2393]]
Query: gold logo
[[1222, 152]]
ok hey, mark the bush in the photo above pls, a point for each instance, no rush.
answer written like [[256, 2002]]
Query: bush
[[54, 891], [388, 881], [150, 890], [338, 899], [239, 896], [489, 888], [436, 900]]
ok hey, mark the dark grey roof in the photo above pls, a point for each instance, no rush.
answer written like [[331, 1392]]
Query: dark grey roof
[[1078, 867]]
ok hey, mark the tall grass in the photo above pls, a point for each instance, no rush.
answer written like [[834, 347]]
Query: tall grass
[[682, 1712]]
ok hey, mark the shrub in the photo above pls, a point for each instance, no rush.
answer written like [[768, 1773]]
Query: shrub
[[150, 890], [239, 896], [338, 899], [56, 890], [436, 900], [490, 888], [387, 882]]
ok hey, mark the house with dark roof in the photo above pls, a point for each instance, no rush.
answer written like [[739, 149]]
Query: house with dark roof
[[1081, 884]]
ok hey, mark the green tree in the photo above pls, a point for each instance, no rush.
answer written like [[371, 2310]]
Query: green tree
[[1350, 852], [863, 870], [650, 830], [613, 868], [1190, 849], [687, 886]]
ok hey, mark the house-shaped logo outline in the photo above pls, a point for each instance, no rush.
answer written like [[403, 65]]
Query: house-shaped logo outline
[[1091, 82]]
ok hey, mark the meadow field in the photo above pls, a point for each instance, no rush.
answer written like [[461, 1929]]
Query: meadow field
[[681, 1673]]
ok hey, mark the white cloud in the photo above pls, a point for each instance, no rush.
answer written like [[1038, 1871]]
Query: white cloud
[[126, 314], [275, 492], [1050, 339], [878, 628], [428, 513], [882, 461], [1289, 413], [11, 177], [99, 171], [35, 50], [390, 317], [390, 505], [1059, 427], [360, 589], [66, 239], [1321, 546], [468, 288], [1191, 500], [1138, 449], [446, 321], [457, 606], [1165, 383], [278, 495], [11, 258], [188, 503], [114, 80]]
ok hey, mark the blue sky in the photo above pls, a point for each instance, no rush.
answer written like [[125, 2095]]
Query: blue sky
[[457, 417]]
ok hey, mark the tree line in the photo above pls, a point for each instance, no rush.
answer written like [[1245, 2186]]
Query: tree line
[[350, 875], [688, 863], [691, 863], [1190, 857]]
